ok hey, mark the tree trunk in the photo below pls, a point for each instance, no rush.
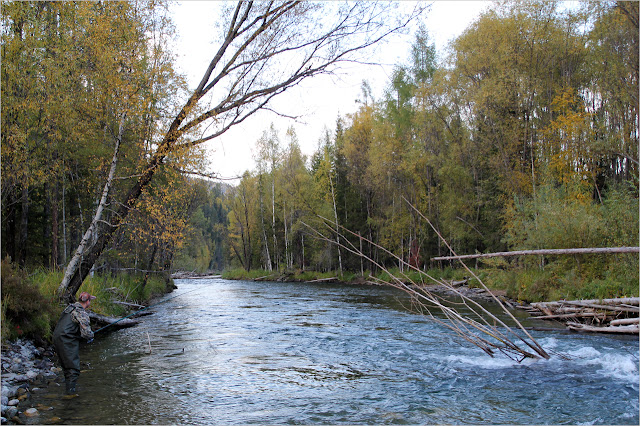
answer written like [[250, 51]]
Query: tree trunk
[[302, 238], [276, 259], [54, 227], [246, 247], [149, 266], [79, 266], [335, 214], [264, 236], [11, 226], [24, 227], [247, 37], [288, 262], [64, 224]]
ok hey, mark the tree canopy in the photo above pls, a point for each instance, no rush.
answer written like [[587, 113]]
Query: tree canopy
[[522, 135]]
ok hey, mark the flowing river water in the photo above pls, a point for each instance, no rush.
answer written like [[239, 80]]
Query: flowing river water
[[238, 352]]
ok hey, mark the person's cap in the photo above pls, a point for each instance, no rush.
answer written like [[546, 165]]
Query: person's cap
[[84, 296]]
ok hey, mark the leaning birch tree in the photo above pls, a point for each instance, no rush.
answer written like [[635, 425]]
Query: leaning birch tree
[[265, 49]]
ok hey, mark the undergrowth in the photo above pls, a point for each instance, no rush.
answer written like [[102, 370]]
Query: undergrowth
[[31, 308], [554, 281]]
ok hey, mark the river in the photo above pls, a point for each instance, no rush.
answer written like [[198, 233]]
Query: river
[[237, 352]]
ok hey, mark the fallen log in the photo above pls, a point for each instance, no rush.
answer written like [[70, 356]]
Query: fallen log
[[142, 314], [609, 314], [631, 301], [621, 329], [262, 278], [457, 283], [625, 321], [593, 250], [635, 301], [323, 279], [606, 307], [572, 315], [130, 305], [105, 320]]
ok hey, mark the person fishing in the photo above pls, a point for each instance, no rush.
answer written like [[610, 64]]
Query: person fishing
[[72, 326]]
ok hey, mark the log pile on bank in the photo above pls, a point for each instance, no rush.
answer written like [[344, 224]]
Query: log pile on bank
[[597, 315]]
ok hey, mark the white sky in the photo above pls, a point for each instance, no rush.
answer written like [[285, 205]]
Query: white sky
[[321, 99]]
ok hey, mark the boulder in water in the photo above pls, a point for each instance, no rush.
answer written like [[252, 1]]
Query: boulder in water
[[31, 412]]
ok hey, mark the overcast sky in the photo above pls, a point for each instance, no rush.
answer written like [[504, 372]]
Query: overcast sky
[[321, 99]]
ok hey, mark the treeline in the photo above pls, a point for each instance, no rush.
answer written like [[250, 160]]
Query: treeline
[[86, 85], [524, 136]]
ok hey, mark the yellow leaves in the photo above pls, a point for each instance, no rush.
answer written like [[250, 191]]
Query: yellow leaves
[[162, 212], [566, 144]]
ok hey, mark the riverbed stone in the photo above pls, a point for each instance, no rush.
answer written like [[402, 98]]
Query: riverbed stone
[[4, 400], [13, 402], [11, 412], [8, 390], [31, 412]]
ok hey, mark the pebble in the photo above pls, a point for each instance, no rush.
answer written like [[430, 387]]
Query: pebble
[[23, 366], [31, 412], [11, 412], [8, 390]]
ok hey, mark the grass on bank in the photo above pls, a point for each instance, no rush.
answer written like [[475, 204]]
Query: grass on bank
[[30, 307], [526, 281]]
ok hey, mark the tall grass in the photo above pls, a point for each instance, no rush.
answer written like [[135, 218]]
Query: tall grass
[[31, 308]]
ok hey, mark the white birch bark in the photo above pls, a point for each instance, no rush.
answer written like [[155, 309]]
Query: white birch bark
[[89, 235], [335, 214]]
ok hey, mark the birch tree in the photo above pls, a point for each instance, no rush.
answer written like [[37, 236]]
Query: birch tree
[[265, 48]]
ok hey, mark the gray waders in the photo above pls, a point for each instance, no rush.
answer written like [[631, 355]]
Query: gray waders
[[66, 340]]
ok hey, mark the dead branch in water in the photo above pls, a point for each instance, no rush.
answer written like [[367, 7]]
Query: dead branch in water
[[480, 327]]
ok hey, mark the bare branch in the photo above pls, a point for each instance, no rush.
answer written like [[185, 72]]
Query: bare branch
[[466, 327]]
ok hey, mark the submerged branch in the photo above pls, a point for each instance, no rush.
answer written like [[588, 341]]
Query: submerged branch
[[480, 327]]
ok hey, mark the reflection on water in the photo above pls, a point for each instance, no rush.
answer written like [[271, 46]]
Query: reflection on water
[[236, 352]]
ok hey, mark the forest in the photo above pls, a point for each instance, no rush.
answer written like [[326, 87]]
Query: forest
[[522, 135]]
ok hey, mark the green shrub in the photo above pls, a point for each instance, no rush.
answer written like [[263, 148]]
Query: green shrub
[[25, 311]]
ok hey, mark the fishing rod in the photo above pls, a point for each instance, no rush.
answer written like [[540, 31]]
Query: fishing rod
[[147, 307]]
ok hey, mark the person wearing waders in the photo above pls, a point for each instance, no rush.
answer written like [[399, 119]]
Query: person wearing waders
[[72, 326]]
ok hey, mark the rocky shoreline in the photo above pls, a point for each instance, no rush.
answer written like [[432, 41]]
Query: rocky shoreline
[[26, 369]]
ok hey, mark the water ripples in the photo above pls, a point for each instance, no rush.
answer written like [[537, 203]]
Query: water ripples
[[238, 352]]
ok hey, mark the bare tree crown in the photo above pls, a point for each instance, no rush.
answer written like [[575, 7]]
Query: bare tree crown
[[269, 47]]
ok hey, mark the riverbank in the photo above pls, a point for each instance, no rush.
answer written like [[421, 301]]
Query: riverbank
[[29, 363], [26, 369], [31, 308]]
